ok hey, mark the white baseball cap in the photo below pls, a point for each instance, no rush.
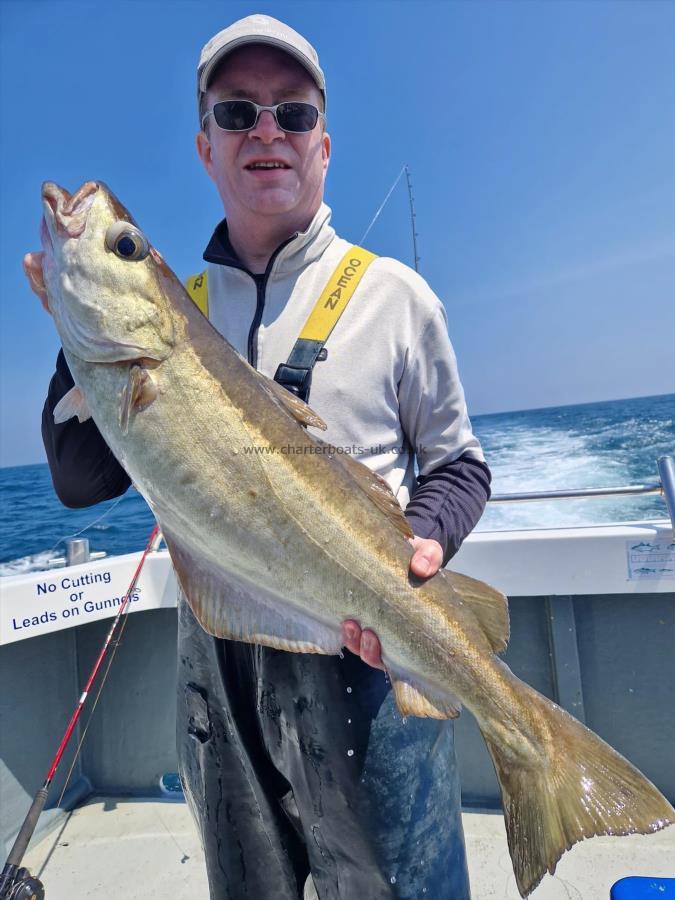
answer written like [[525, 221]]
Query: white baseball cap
[[257, 29]]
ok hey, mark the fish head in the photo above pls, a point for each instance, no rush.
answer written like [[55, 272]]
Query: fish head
[[99, 277]]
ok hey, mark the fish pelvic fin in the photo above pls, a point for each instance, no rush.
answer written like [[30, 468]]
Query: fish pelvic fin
[[577, 788], [487, 604]]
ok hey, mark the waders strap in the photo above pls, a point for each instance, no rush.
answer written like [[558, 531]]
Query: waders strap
[[296, 374], [198, 289]]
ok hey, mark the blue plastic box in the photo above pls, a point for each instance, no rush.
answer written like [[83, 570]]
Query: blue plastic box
[[644, 889]]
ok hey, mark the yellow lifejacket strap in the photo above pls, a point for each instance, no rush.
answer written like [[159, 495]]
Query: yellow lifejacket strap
[[198, 289], [336, 295], [296, 373]]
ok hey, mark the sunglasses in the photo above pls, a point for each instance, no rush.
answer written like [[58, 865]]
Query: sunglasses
[[243, 115]]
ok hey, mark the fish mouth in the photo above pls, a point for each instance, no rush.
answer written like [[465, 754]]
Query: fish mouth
[[65, 214]]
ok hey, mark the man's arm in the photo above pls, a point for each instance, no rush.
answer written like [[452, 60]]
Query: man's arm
[[444, 508], [83, 468], [447, 504], [453, 487]]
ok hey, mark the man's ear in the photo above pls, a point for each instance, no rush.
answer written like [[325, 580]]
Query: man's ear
[[204, 151], [325, 150]]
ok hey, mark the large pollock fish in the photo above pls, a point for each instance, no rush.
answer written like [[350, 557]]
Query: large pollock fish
[[279, 548]]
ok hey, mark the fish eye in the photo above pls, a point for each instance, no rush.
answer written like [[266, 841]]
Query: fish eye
[[126, 241]]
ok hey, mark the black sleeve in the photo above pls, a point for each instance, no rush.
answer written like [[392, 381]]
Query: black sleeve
[[447, 503], [83, 469]]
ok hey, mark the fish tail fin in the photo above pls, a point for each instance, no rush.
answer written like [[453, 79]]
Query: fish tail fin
[[574, 786]]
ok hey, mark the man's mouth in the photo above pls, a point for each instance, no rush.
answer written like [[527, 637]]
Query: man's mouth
[[266, 164]]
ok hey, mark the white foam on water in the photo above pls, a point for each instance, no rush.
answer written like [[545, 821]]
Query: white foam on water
[[524, 457], [35, 563]]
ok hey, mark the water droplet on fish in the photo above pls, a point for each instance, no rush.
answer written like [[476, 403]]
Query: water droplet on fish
[[349, 721], [424, 890], [404, 720], [350, 593], [393, 879], [349, 690], [350, 752]]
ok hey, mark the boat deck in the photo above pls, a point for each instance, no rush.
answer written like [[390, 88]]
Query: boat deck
[[116, 847]]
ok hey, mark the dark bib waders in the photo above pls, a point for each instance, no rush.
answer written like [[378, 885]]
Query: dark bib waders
[[292, 762]]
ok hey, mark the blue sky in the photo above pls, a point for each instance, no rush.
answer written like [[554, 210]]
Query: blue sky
[[540, 136]]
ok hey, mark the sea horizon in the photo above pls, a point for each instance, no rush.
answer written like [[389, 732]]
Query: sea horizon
[[597, 444], [474, 415]]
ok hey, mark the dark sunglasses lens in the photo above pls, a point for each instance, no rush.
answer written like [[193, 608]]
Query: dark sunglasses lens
[[297, 117], [235, 115]]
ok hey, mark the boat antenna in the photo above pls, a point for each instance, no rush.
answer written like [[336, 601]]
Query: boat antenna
[[405, 168]]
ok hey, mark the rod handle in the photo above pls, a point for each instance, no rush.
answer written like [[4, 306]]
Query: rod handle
[[26, 832]]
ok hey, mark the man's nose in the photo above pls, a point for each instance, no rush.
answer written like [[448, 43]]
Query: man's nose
[[266, 128]]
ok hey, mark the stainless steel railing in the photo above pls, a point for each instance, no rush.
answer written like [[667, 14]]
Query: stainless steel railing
[[525, 496], [664, 487]]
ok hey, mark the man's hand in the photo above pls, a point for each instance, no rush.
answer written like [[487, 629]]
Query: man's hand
[[425, 562]]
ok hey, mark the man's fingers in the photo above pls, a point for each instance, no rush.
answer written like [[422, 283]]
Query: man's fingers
[[363, 643], [371, 652], [427, 558], [351, 636]]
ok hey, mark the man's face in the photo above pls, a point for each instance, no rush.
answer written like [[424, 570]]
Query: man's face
[[267, 76]]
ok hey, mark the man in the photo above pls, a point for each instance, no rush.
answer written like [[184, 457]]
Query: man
[[299, 763]]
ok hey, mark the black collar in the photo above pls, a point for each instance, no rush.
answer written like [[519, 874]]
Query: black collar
[[219, 250]]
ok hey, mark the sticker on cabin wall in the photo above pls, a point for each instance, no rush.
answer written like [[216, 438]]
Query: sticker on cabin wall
[[650, 559]]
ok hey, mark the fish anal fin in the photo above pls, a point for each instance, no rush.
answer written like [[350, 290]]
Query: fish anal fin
[[227, 607], [71, 404], [573, 787], [300, 411], [412, 702], [487, 604], [138, 393]]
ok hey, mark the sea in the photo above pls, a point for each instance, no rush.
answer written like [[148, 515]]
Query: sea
[[590, 445]]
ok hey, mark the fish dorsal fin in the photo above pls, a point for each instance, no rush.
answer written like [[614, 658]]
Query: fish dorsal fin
[[488, 605], [300, 411], [376, 488], [227, 607], [71, 404], [412, 701]]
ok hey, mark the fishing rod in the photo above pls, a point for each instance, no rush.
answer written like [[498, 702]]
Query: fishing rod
[[16, 882], [404, 169]]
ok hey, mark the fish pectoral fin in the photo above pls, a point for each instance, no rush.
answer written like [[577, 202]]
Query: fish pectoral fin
[[228, 607], [71, 404], [138, 393], [377, 489], [300, 411], [488, 605], [412, 702]]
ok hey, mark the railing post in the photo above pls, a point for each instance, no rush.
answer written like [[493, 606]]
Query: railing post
[[666, 466]]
